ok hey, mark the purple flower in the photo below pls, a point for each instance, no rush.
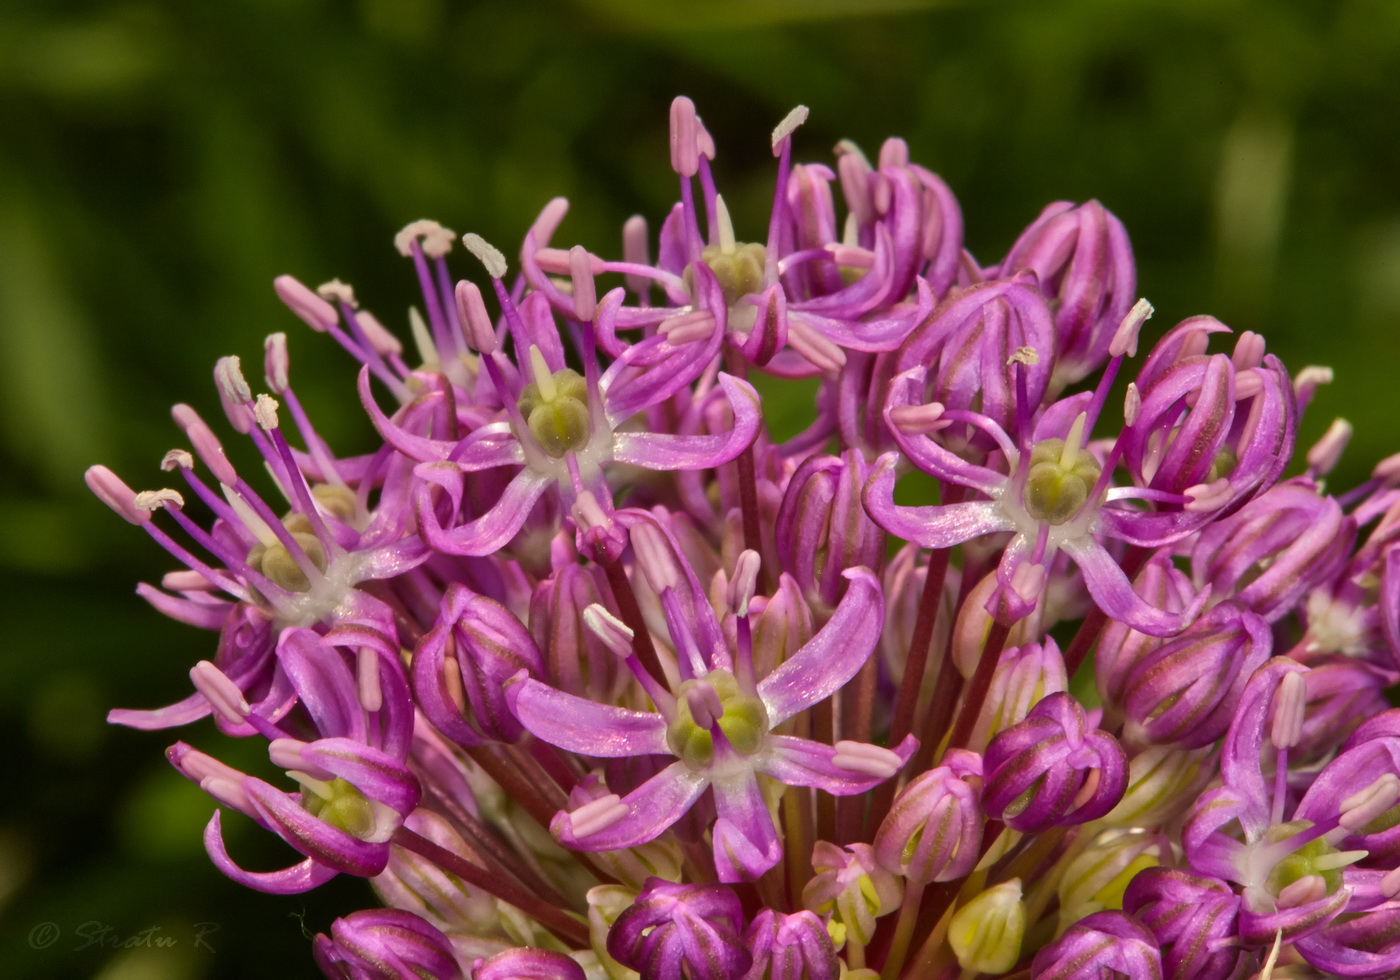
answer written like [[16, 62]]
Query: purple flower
[[934, 829], [1102, 944], [1052, 770], [717, 722], [674, 931], [386, 944], [796, 946], [527, 964]]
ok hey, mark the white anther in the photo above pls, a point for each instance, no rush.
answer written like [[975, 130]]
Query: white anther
[[422, 339], [616, 635], [724, 227], [1028, 356], [788, 126], [266, 412], [597, 815], [1307, 381], [228, 375], [436, 239], [1125, 339], [177, 459], [487, 254], [336, 291], [872, 760], [150, 500]]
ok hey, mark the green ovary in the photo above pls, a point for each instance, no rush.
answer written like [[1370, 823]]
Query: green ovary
[[744, 722], [739, 269], [1057, 487], [560, 424], [346, 808], [1303, 861]]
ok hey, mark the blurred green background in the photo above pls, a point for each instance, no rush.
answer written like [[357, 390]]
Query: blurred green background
[[161, 162]]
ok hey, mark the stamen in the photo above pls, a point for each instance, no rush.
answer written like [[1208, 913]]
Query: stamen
[[152, 499], [1307, 381], [265, 411], [916, 420], [704, 703], [1390, 883], [110, 489], [1323, 456], [1361, 808], [869, 759], [1249, 351], [544, 379], [597, 815], [367, 687], [585, 290], [744, 582], [551, 216], [724, 227], [315, 312], [1289, 702], [824, 355], [436, 239], [487, 254], [384, 343], [276, 361], [1307, 889], [1132, 403], [336, 291], [471, 310], [688, 327], [177, 459], [1028, 356], [285, 753], [222, 694], [422, 339], [615, 634], [854, 172], [234, 392], [684, 149], [635, 251], [788, 126], [1205, 497], [1125, 339], [653, 554]]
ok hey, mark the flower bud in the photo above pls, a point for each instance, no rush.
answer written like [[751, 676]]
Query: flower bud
[[1163, 780], [461, 666], [966, 348], [385, 942], [682, 930], [790, 947], [1192, 918], [933, 831], [822, 527], [1050, 770], [527, 964], [1094, 881], [1103, 944], [986, 933], [1120, 647], [1185, 691], [853, 888], [1084, 263], [1024, 676]]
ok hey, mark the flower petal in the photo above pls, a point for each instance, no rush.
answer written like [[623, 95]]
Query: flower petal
[[586, 727]]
